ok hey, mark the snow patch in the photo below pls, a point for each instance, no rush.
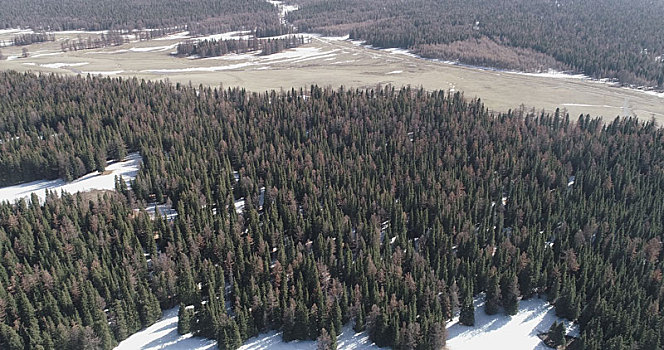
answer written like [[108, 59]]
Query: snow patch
[[235, 35], [506, 332], [175, 36], [107, 72], [239, 205], [347, 340], [395, 72], [164, 335], [153, 48], [62, 65], [46, 54], [199, 69], [126, 169]]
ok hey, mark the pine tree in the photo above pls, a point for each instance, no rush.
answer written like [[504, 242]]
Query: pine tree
[[467, 314], [9, 338], [358, 326], [510, 295], [492, 299], [557, 334], [324, 341], [185, 317]]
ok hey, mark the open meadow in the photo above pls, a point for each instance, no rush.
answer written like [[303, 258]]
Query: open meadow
[[334, 61]]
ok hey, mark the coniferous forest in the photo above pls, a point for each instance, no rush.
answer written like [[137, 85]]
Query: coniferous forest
[[224, 15], [615, 39], [213, 48], [388, 209]]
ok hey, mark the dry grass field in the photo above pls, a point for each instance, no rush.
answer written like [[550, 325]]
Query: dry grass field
[[336, 62]]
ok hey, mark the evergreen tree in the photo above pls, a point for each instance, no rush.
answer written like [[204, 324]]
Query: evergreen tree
[[557, 334], [510, 295], [492, 298], [467, 314], [185, 317]]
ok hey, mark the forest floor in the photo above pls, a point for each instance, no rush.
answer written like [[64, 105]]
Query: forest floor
[[337, 62]]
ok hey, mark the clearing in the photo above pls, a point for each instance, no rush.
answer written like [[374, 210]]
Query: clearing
[[126, 169], [337, 61]]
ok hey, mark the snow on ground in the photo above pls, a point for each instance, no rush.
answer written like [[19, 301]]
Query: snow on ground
[[239, 205], [16, 31], [587, 105], [166, 211], [395, 72], [397, 51], [153, 48], [93, 181], [107, 72], [175, 36], [490, 332], [56, 53], [347, 340], [498, 331], [164, 335], [199, 69], [556, 75], [295, 55], [234, 56], [61, 65], [283, 9], [235, 35]]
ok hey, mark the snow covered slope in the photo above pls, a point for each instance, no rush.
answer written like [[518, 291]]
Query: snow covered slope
[[518, 332], [498, 331], [93, 181], [164, 335], [348, 340]]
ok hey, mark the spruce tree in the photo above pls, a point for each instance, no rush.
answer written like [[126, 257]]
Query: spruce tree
[[185, 317], [467, 314], [510, 295], [492, 298]]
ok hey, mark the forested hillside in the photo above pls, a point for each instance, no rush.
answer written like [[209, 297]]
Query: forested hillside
[[390, 209], [112, 14], [601, 38]]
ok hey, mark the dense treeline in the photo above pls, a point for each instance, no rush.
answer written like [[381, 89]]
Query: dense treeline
[[387, 209], [111, 38], [603, 39], [213, 48], [136, 14], [27, 39]]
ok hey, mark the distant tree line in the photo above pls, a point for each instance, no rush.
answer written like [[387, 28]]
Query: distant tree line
[[137, 14], [144, 35], [213, 48], [603, 39], [385, 210], [110, 38], [27, 39]]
